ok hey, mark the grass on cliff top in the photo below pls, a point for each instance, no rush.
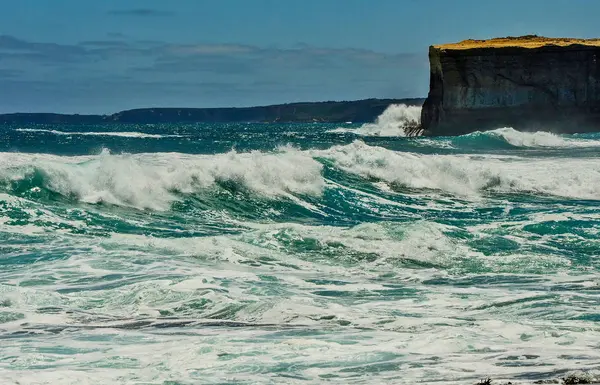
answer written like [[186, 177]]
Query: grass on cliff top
[[529, 41]]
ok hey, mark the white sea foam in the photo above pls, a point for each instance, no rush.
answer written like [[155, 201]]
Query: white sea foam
[[122, 134], [422, 241], [153, 180], [400, 300], [391, 122], [455, 334], [539, 139], [470, 175]]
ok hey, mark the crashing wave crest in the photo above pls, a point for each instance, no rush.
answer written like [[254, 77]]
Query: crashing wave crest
[[154, 180], [392, 122], [531, 139], [470, 175]]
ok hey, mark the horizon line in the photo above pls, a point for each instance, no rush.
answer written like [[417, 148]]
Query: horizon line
[[207, 108]]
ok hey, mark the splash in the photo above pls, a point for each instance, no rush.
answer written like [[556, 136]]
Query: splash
[[470, 175], [154, 181], [396, 120]]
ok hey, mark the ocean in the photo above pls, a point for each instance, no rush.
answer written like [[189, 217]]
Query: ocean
[[297, 254]]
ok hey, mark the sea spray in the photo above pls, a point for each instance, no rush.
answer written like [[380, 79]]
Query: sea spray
[[470, 175], [154, 180], [394, 121]]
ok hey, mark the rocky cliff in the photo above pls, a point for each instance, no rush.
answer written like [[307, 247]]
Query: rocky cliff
[[528, 83]]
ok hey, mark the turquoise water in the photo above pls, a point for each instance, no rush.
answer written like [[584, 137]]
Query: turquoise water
[[298, 253]]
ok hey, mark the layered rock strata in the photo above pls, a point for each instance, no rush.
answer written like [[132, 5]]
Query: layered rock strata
[[528, 83]]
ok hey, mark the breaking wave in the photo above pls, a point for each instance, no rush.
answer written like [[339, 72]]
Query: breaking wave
[[516, 138], [470, 175], [388, 259], [392, 122], [154, 181]]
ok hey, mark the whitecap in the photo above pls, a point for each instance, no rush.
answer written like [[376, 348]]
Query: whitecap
[[121, 134], [538, 139], [392, 122], [154, 180], [470, 175]]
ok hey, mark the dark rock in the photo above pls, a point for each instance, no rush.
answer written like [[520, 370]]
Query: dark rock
[[528, 83]]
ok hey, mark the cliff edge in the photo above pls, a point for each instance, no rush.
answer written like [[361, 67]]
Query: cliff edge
[[528, 83]]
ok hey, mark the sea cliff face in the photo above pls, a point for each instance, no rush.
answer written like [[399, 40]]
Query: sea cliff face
[[552, 85]]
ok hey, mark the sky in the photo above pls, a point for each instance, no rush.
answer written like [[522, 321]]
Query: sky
[[83, 56]]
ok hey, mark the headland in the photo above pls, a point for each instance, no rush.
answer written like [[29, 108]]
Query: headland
[[529, 83]]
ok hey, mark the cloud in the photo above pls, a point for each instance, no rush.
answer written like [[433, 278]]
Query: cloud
[[151, 56], [11, 43], [14, 50], [208, 49], [104, 43], [116, 35], [223, 57], [10, 73], [142, 12], [115, 74]]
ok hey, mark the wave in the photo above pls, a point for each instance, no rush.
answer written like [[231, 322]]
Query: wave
[[514, 138], [392, 122], [154, 181], [123, 134], [470, 175], [381, 244]]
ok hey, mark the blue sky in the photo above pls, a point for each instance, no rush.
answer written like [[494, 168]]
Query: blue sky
[[103, 56]]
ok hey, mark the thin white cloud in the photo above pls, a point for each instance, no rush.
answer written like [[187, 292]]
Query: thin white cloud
[[140, 12], [180, 74]]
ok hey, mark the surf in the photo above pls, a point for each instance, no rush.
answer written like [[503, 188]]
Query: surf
[[156, 180], [508, 136], [239, 239]]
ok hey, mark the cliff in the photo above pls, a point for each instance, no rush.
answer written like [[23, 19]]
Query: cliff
[[335, 112], [528, 83]]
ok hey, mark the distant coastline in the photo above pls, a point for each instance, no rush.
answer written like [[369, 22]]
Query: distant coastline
[[359, 111]]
